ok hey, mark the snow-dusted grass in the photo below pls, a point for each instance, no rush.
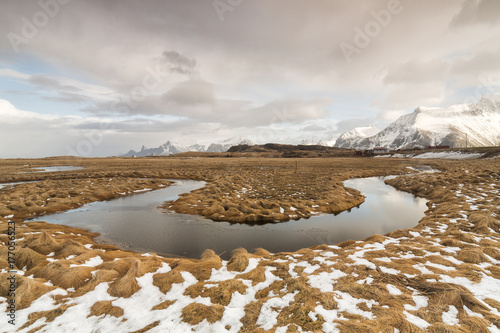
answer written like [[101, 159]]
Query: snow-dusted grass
[[450, 155], [444, 271]]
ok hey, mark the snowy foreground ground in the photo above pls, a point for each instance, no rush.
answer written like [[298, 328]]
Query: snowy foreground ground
[[441, 276]]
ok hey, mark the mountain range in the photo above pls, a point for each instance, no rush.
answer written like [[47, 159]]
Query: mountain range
[[460, 125], [171, 147]]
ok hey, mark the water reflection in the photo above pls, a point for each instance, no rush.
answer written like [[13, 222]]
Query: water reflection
[[54, 168], [134, 222]]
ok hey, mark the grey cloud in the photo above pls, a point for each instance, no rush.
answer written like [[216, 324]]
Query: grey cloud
[[348, 124], [180, 63], [261, 54], [47, 82], [481, 62], [477, 12], [51, 88], [281, 112], [418, 70], [408, 96], [314, 128], [67, 97], [137, 125], [192, 92]]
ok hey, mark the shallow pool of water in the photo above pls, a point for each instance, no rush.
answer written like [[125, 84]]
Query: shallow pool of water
[[134, 222], [3, 185], [54, 168]]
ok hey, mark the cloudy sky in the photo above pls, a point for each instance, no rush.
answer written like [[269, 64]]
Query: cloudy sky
[[96, 78]]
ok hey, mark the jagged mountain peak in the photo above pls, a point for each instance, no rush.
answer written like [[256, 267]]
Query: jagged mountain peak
[[352, 138], [473, 124], [170, 147]]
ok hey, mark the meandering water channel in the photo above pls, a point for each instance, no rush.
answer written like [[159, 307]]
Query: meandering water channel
[[134, 222]]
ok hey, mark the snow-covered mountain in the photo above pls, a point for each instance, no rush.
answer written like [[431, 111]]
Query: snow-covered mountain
[[354, 137], [308, 142], [167, 148], [327, 143], [455, 126], [224, 145], [171, 147]]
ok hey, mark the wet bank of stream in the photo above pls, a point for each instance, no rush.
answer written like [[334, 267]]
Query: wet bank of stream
[[135, 223]]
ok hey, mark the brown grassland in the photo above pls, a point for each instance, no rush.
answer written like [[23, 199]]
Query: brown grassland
[[459, 238]]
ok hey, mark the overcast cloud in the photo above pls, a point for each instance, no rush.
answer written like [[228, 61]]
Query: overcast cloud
[[144, 72]]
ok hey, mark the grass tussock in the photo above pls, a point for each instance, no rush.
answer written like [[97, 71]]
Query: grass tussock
[[483, 223], [361, 327], [164, 281], [260, 252], [298, 314], [42, 243], [27, 290], [100, 276], [148, 327], [70, 247], [195, 313], [256, 275], [252, 312], [239, 260], [443, 328], [48, 316], [162, 305], [105, 308], [492, 303], [221, 294], [202, 269], [471, 255], [126, 285], [61, 275], [475, 324], [27, 259]]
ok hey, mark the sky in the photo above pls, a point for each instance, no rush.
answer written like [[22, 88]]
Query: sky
[[98, 78]]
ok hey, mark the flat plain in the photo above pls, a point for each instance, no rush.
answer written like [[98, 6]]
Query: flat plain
[[442, 275]]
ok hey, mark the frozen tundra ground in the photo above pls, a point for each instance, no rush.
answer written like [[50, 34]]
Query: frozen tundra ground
[[443, 275]]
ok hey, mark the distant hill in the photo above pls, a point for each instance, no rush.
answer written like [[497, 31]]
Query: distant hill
[[283, 150]]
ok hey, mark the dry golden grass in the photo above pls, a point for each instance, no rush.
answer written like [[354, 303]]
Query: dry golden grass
[[27, 290], [105, 308], [221, 294], [195, 313], [26, 259], [162, 305], [148, 327], [201, 269], [164, 281], [239, 260], [49, 315], [61, 275], [126, 285], [457, 224]]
